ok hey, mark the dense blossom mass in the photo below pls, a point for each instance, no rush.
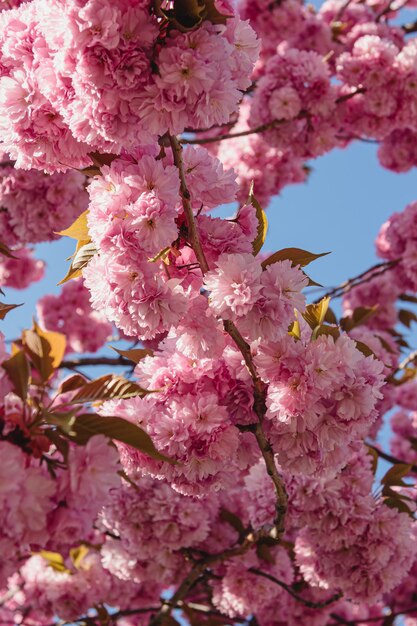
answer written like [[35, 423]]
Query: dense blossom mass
[[229, 473]]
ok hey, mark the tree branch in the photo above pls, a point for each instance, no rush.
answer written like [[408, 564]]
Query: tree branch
[[389, 457], [95, 360], [186, 202], [360, 279], [197, 570], [410, 28], [309, 603], [409, 359], [268, 125]]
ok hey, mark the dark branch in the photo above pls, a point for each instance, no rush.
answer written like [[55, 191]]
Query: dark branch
[[97, 360], [309, 603], [389, 457]]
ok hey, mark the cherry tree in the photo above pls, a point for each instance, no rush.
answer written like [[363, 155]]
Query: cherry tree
[[223, 470]]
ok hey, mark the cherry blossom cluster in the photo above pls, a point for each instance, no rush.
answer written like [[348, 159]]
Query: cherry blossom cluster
[[35, 206], [246, 487], [104, 76], [70, 312], [20, 270]]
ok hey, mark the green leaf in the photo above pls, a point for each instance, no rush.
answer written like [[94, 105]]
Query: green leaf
[[56, 438], [17, 369], [324, 329], [135, 355], [6, 308], [108, 387], [397, 503], [296, 255], [406, 317], [359, 316], [72, 383], [395, 475], [80, 428], [262, 228], [366, 350]]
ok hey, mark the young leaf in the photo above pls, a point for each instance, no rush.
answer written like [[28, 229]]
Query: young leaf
[[406, 317], [395, 475], [17, 368], [83, 254], [78, 229], [359, 316], [54, 560], [135, 355], [315, 314], [45, 349], [108, 387], [72, 383], [162, 255], [294, 330], [262, 229], [296, 255], [405, 297], [366, 350], [324, 329], [5, 308], [78, 554], [80, 428]]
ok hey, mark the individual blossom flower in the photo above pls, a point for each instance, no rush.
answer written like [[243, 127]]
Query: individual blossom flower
[[234, 285]]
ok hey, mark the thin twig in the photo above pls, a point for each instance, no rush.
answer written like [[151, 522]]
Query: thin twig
[[410, 28], [360, 279], [309, 603], [186, 202], [95, 360], [196, 571], [243, 133], [268, 125], [409, 359], [389, 457]]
